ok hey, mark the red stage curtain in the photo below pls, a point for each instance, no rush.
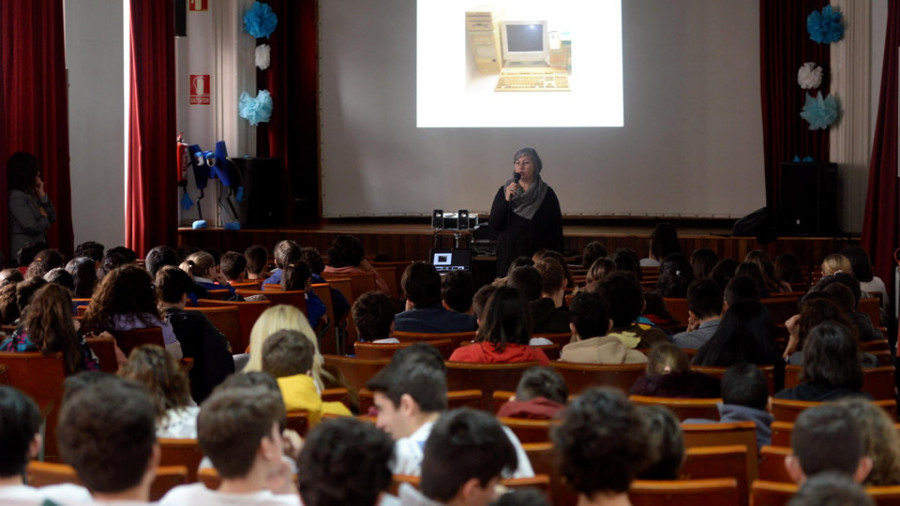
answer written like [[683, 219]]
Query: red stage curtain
[[784, 47], [292, 79], [34, 110], [151, 212], [880, 225]]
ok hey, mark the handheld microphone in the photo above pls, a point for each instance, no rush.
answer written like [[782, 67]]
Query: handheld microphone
[[516, 177]]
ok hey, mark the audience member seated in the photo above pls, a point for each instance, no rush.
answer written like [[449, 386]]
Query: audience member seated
[[831, 488], [541, 394], [669, 375], [882, 444], [199, 339], [233, 266], [827, 438], [592, 252], [45, 261], [815, 309], [295, 277], [745, 397], [346, 256], [831, 367], [522, 497], [703, 260], [346, 461], [723, 272], [8, 276], [288, 357], [27, 252], [107, 432], [84, 276], [284, 252], [504, 332], [549, 312], [48, 326], [745, 334], [738, 289], [373, 314], [25, 291], [20, 442], [159, 257], [663, 242], [597, 272], [257, 262], [626, 303], [602, 446], [772, 282], [60, 276], [830, 284], [788, 268], [836, 263], [663, 432], [862, 271], [704, 298], [752, 271], [590, 344], [424, 313], [167, 384], [91, 249], [626, 259], [312, 258], [240, 430], [515, 264], [464, 458], [657, 315], [675, 275], [126, 300], [543, 253], [9, 310], [410, 394], [457, 290], [204, 271]]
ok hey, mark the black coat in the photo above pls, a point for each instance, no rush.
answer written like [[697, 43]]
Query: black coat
[[522, 237]]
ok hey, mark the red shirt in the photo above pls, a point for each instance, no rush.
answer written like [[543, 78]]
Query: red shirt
[[486, 353]]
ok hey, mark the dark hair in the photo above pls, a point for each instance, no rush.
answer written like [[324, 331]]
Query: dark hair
[[788, 268], [464, 444], [20, 421], [287, 353], [345, 461], [422, 284], [745, 384], [522, 497], [285, 251], [664, 241], [91, 249], [172, 283], [601, 443], [373, 313], [257, 258], [592, 252], [703, 260], [60, 276], [159, 257], [675, 274], [162, 376], [233, 265], [599, 270], [346, 251], [129, 254], [822, 307], [741, 288], [827, 438], [627, 259], [49, 322], [528, 280], [745, 334], [766, 268], [751, 270], [663, 430], [21, 170], [45, 261], [479, 300], [859, 259], [552, 274], [25, 292], [831, 488], [542, 381], [831, 357], [426, 384], [421, 353], [84, 276], [544, 254], [625, 297], [844, 278], [704, 298], [723, 272], [841, 295], [126, 290], [27, 253], [8, 306], [519, 262], [664, 356], [506, 319], [107, 432], [111, 261], [589, 313], [313, 259], [457, 290], [294, 276], [232, 423], [74, 383]]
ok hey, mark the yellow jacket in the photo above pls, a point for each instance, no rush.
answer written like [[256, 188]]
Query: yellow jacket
[[300, 394]]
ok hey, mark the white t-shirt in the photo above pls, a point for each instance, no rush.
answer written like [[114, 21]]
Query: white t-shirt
[[179, 423], [197, 493], [62, 493], [409, 452]]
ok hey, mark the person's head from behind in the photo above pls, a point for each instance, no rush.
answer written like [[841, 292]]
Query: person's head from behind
[[49, 321], [542, 382], [506, 319], [820, 307], [173, 285], [285, 251], [345, 461], [627, 259], [313, 259], [664, 241], [422, 284], [406, 394], [257, 257], [528, 280], [666, 358], [860, 263], [589, 314], [373, 314], [841, 278], [84, 276], [598, 271], [159, 257], [8, 276], [457, 290], [703, 260], [233, 265], [199, 265], [592, 252], [295, 276], [465, 456], [704, 298], [421, 353], [74, 383], [625, 297], [93, 250], [831, 488], [675, 274], [107, 432], [522, 497], [125, 290], [45, 261], [788, 268], [744, 384], [479, 300], [553, 276], [20, 425], [346, 251], [841, 295], [519, 262], [827, 438], [723, 272], [27, 253], [741, 288], [880, 438], [751, 271], [831, 357], [745, 334], [239, 428], [287, 353], [22, 172], [168, 385], [663, 430], [277, 318], [836, 263], [601, 444], [25, 292], [763, 261], [128, 254]]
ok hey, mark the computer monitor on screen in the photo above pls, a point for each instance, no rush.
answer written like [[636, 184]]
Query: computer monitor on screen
[[525, 43]]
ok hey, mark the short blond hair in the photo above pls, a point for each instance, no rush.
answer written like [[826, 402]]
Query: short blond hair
[[277, 318], [836, 263]]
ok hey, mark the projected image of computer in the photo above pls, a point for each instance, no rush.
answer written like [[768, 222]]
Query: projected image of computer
[[525, 43]]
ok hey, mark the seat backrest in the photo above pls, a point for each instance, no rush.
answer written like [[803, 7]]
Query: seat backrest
[[885, 496], [455, 399], [298, 421], [787, 410], [543, 460], [582, 376], [105, 349], [875, 345], [41, 474], [227, 320], [528, 430], [771, 493], [360, 283], [879, 382], [771, 463], [218, 294], [328, 341], [389, 275], [883, 358], [41, 377], [130, 339], [781, 308], [181, 452], [682, 408], [781, 433], [357, 371], [872, 307], [296, 298], [413, 337], [500, 398], [705, 462], [386, 350], [561, 338], [248, 312], [718, 372], [724, 434], [678, 308], [485, 377], [720, 492]]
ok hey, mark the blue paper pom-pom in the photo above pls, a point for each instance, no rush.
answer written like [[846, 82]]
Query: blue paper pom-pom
[[825, 27], [260, 21], [819, 112], [256, 110]]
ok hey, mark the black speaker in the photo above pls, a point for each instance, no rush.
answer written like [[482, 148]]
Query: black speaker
[[264, 200], [462, 220], [807, 199], [437, 219]]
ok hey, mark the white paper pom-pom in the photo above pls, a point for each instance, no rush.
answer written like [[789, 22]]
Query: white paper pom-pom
[[809, 76], [262, 56]]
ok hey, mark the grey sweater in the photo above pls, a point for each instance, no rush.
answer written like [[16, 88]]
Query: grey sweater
[[25, 221]]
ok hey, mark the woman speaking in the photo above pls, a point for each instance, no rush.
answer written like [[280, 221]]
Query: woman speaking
[[30, 210], [525, 212]]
